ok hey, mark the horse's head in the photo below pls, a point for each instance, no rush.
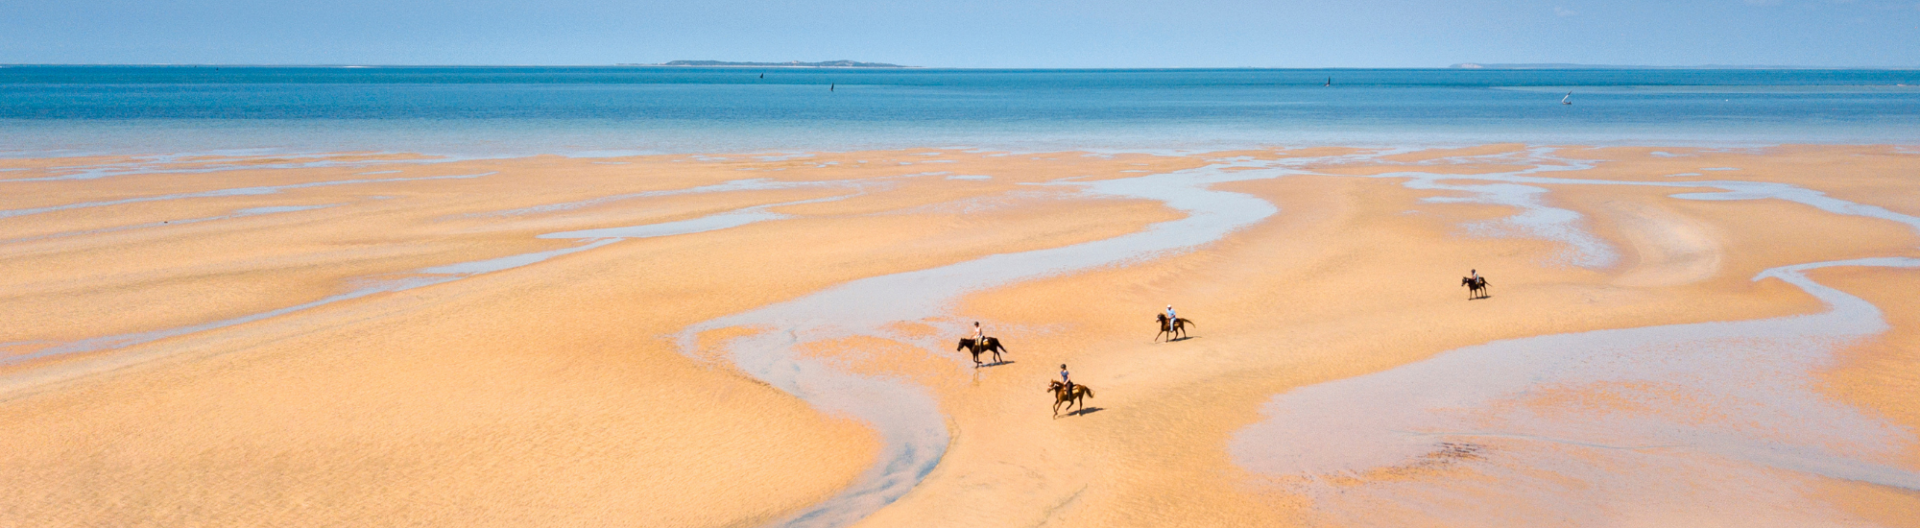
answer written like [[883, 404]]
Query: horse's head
[[1055, 386], [964, 343]]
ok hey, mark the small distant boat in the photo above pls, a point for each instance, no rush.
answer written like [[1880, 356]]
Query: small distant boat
[[830, 86], [1329, 81], [763, 75], [1568, 99]]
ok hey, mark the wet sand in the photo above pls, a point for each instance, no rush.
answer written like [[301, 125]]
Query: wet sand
[[727, 340]]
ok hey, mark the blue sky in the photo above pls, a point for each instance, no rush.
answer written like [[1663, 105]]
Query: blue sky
[[982, 33]]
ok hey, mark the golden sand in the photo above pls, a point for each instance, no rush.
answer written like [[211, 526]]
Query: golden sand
[[554, 394]]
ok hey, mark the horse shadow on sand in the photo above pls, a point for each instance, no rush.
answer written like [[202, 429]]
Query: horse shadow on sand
[[1172, 329], [990, 345], [1477, 287]]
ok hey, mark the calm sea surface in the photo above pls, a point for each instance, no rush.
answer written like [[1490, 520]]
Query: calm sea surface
[[55, 110]]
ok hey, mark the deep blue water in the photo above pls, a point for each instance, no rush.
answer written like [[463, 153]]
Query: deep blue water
[[587, 110]]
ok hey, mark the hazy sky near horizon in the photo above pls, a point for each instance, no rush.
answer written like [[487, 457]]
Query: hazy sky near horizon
[[981, 33]]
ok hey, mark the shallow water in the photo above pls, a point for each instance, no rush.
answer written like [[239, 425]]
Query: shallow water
[[1536, 219], [182, 163], [1526, 448], [908, 419], [420, 278], [722, 220], [1717, 406], [1524, 190], [65, 110], [1700, 423], [751, 184], [237, 191]]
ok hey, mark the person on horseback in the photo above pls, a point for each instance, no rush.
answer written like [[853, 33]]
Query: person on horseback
[[979, 335], [1475, 274], [1170, 317], [1066, 379]]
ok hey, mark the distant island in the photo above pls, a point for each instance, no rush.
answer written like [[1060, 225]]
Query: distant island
[[790, 64]]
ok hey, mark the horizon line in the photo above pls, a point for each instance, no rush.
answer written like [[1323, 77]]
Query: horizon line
[[1455, 66]]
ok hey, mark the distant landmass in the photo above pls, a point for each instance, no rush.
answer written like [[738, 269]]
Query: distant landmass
[[790, 64], [1570, 66]]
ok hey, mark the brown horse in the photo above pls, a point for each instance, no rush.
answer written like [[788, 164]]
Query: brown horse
[[1476, 287], [1060, 395], [1177, 329], [989, 344]]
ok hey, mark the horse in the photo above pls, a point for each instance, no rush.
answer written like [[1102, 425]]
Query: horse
[[1178, 328], [1476, 287], [1060, 395], [989, 344]]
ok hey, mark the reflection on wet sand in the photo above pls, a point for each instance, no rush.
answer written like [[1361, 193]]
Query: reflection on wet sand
[[909, 420], [790, 335], [1697, 423]]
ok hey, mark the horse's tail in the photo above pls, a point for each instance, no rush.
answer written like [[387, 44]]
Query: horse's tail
[[1184, 320], [1088, 391]]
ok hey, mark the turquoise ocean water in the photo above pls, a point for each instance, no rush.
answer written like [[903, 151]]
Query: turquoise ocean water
[[76, 110]]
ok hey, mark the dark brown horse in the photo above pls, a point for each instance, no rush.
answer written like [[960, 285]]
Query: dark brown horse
[[1476, 287], [1078, 395], [1176, 329], [989, 344]]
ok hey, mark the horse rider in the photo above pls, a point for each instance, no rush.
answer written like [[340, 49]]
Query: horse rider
[[1064, 378], [1170, 316], [979, 335], [1475, 274]]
